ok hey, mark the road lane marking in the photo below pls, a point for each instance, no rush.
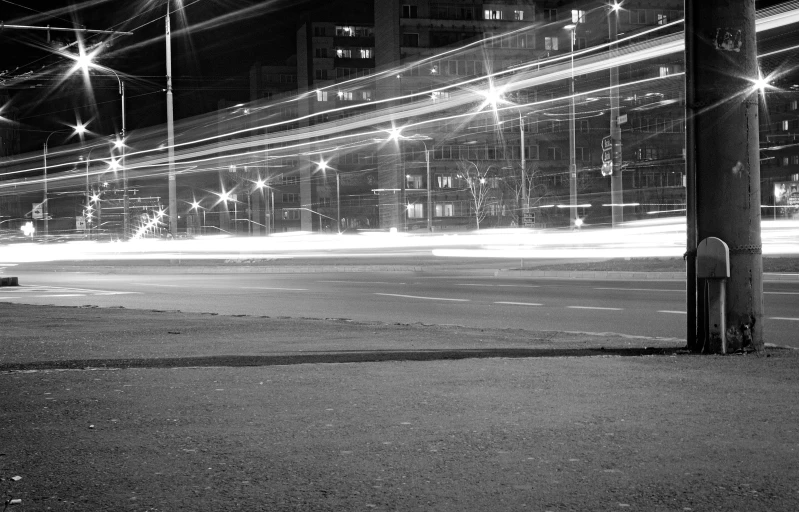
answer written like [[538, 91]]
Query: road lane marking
[[500, 285], [161, 285], [642, 289], [118, 293], [360, 282], [62, 295], [519, 303], [595, 307], [270, 288], [423, 298], [783, 293], [783, 318], [673, 312]]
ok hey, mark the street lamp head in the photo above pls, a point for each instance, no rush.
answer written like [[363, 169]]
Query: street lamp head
[[119, 143], [321, 165], [615, 6], [260, 183], [570, 26], [80, 128], [195, 205]]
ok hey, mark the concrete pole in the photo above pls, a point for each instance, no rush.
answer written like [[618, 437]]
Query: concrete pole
[[572, 144], [44, 198], [616, 187], [170, 126], [125, 195], [338, 204], [429, 192], [524, 200], [722, 70]]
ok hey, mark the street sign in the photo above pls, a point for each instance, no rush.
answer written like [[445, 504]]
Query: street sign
[[622, 119], [528, 218], [607, 156], [607, 143], [607, 168], [80, 223], [36, 213]]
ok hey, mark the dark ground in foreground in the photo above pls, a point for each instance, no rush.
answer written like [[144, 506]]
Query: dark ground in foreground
[[116, 410]]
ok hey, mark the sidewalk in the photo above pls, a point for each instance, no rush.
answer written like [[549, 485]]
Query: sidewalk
[[115, 409]]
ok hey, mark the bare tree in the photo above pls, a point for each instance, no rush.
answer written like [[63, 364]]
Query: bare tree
[[477, 176], [521, 184]]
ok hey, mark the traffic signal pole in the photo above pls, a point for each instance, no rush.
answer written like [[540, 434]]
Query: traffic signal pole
[[723, 164], [616, 187]]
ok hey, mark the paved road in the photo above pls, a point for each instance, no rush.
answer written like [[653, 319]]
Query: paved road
[[643, 308]]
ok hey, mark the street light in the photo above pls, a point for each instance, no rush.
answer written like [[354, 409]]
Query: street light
[[616, 184], [85, 62], [322, 166], [80, 129], [397, 135], [572, 149], [170, 127]]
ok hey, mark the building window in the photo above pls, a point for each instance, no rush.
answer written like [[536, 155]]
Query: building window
[[320, 52], [786, 125], [366, 53], [344, 53], [578, 16], [638, 16], [493, 14], [409, 11], [531, 152], [665, 71], [795, 160], [366, 95], [784, 161], [345, 95], [410, 40], [550, 15], [319, 31], [662, 19], [321, 74], [291, 198], [444, 210], [794, 105], [321, 95], [324, 201], [581, 154], [585, 127], [518, 15], [554, 153], [416, 211], [291, 214], [413, 181], [445, 181], [551, 43]]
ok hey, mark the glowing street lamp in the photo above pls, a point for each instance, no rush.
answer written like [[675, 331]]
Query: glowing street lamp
[[322, 166], [80, 129]]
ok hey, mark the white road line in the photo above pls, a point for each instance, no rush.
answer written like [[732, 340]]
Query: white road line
[[160, 285], [62, 295], [270, 288], [783, 318], [424, 298], [117, 293], [782, 293], [499, 285], [673, 312], [519, 303], [642, 289], [360, 282], [594, 307]]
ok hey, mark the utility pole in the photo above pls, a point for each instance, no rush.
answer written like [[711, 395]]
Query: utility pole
[[572, 142], [723, 146], [616, 187], [170, 127]]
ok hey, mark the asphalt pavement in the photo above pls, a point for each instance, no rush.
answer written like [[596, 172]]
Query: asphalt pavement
[[117, 409]]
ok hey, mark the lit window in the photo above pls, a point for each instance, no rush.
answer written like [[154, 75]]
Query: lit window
[[291, 214], [493, 14], [794, 105], [665, 71], [795, 160], [444, 210], [346, 31], [445, 181], [439, 95], [662, 19], [321, 95], [786, 125], [416, 211], [413, 181], [366, 95], [578, 16], [518, 15], [366, 53], [550, 43], [343, 53]]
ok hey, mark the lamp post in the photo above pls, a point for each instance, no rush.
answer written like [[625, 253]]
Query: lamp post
[[322, 166], [572, 149], [616, 185], [79, 129], [170, 127], [85, 61]]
